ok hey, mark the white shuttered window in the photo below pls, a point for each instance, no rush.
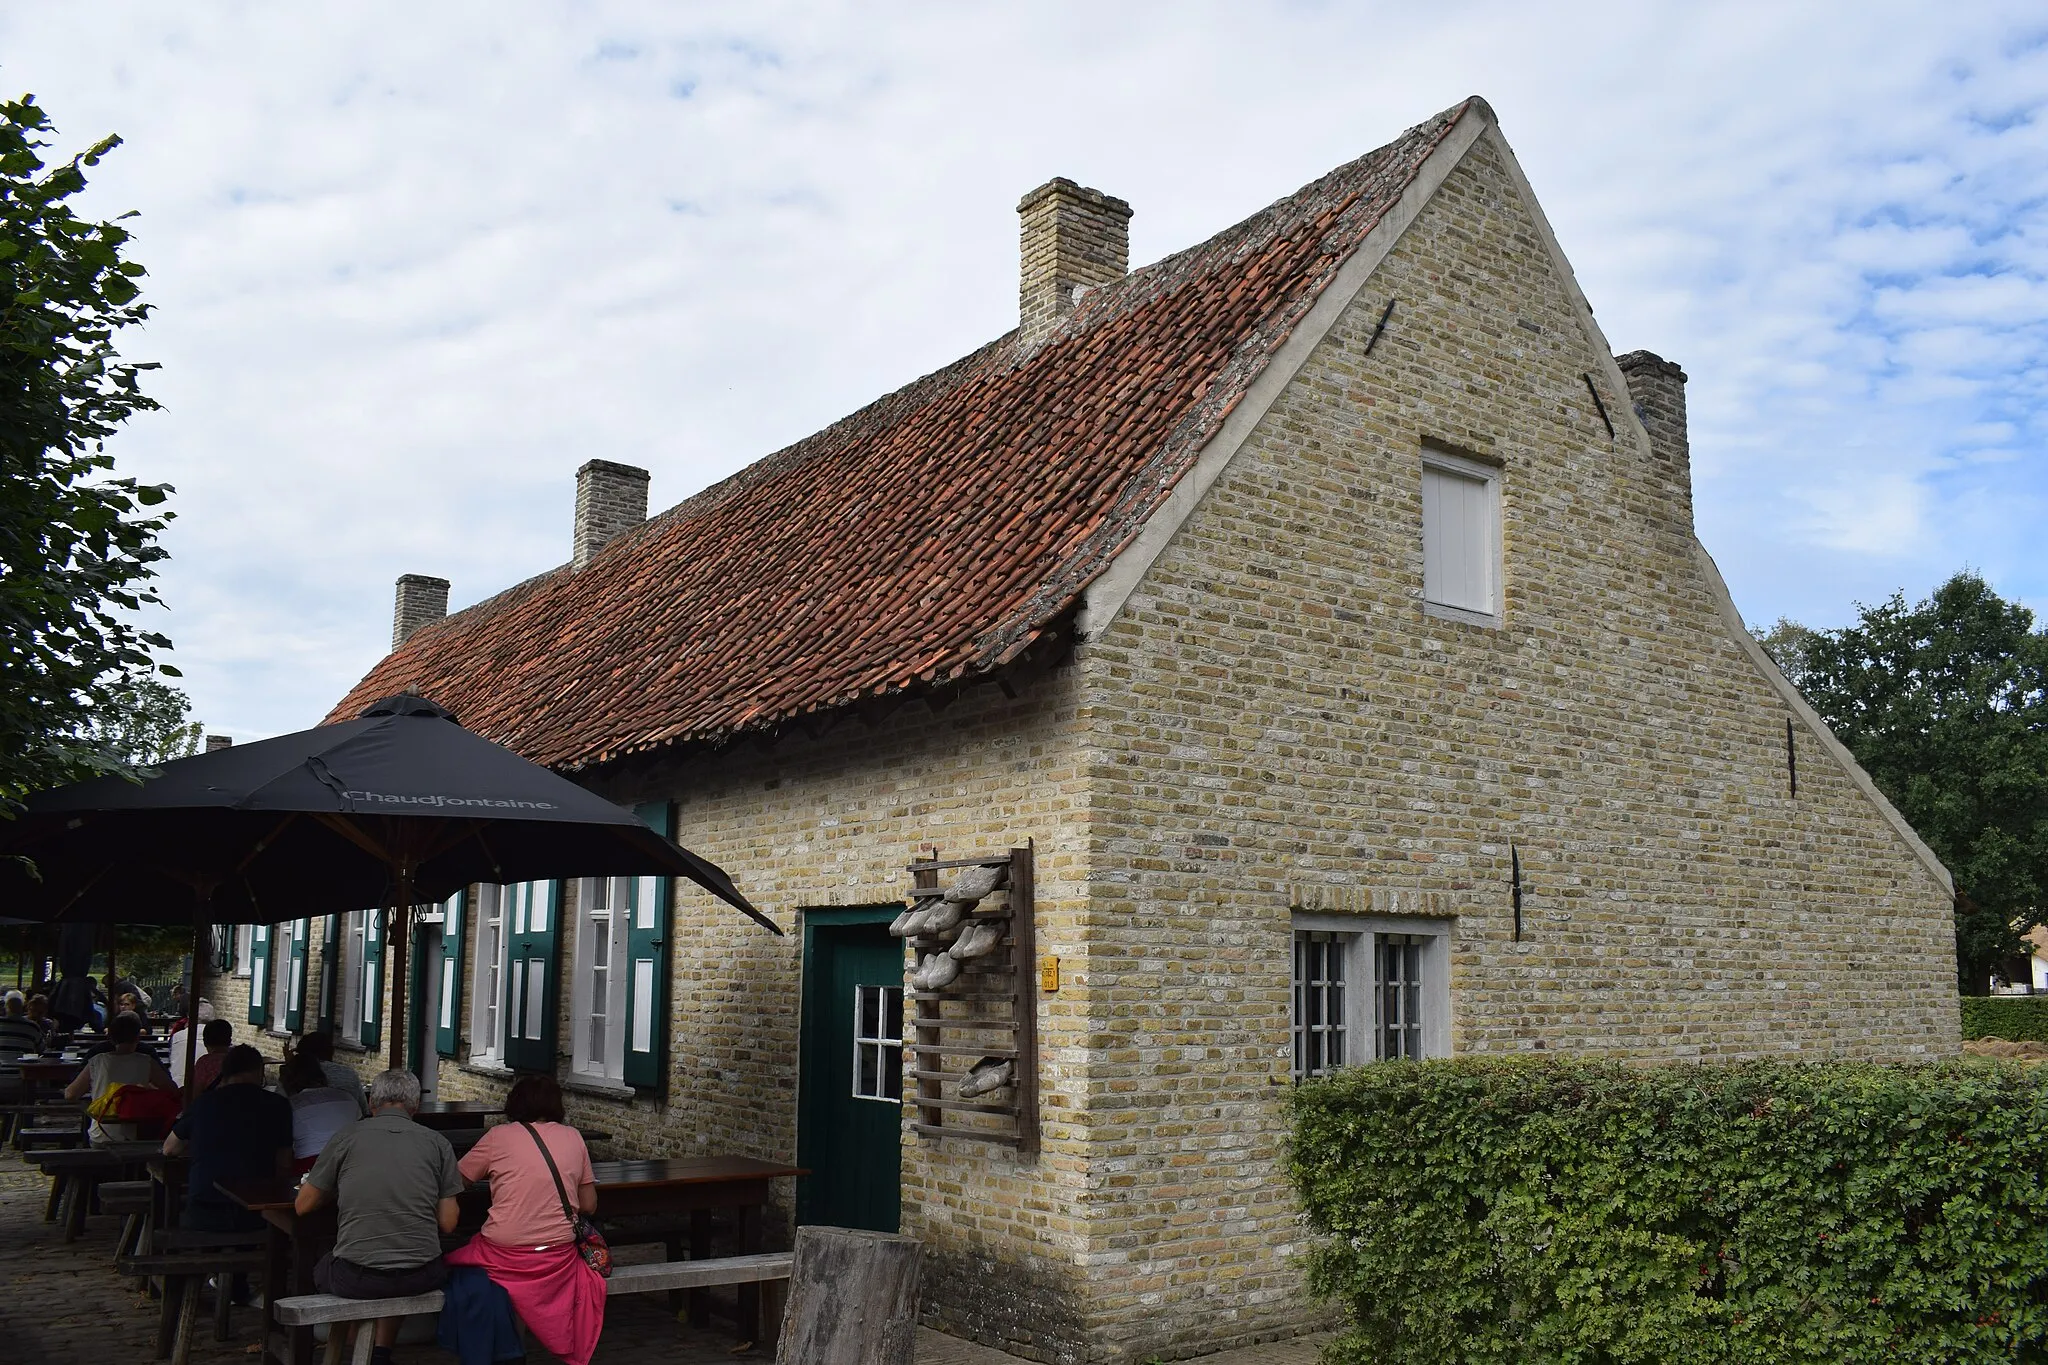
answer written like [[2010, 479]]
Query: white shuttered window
[[1461, 536]]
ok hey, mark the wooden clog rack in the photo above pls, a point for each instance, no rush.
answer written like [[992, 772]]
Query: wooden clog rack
[[989, 1010]]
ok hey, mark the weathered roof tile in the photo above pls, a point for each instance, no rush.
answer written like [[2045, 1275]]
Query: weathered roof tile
[[931, 537]]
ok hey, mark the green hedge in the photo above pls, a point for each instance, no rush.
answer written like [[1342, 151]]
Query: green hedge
[[2015, 1018], [1493, 1211]]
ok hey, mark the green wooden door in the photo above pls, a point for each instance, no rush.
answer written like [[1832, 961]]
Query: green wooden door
[[850, 1086]]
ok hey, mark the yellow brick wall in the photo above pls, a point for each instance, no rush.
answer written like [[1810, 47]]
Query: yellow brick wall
[[1278, 725]]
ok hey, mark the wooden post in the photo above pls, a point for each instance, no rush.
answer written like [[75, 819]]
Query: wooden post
[[852, 1299]]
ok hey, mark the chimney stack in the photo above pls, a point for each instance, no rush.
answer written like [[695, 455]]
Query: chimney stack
[[610, 498], [421, 601], [215, 743], [1074, 239], [1657, 388]]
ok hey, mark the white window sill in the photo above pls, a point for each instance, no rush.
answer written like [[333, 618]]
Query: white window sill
[[1488, 619], [349, 1045], [486, 1066], [598, 1085]]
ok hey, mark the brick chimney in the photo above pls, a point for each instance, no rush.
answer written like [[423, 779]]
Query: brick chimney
[[215, 743], [421, 601], [1074, 239], [610, 498], [1657, 388]]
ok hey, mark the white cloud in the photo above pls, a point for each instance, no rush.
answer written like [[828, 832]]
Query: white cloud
[[415, 263]]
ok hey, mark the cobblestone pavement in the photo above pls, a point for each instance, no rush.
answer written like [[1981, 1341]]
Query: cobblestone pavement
[[66, 1306]]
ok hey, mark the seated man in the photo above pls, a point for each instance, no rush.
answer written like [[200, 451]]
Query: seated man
[[396, 1183], [235, 1131], [39, 1015], [18, 1033]]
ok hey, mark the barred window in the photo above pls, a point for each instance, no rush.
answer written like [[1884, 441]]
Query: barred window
[[1319, 1007], [1368, 989]]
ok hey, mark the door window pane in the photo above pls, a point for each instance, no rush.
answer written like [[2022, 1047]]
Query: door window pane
[[878, 1043]]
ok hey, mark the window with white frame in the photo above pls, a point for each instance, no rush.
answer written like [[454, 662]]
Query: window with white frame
[[348, 1018], [598, 1001], [260, 968], [486, 993], [1460, 537], [245, 937], [1368, 989], [285, 968], [878, 1043]]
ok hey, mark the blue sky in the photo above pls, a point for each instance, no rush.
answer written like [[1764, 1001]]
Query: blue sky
[[415, 263]]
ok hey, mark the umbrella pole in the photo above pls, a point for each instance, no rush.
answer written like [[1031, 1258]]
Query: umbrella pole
[[397, 939]]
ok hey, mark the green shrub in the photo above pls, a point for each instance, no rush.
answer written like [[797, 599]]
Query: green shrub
[[1495, 1211], [2015, 1018]]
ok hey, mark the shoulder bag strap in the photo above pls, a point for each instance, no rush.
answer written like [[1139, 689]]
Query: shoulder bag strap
[[560, 1188]]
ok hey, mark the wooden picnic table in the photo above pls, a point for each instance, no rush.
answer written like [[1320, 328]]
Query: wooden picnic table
[[445, 1114], [691, 1187], [80, 1168]]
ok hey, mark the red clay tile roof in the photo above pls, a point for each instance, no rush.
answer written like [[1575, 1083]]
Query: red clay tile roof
[[928, 539]]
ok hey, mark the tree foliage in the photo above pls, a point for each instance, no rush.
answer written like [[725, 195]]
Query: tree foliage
[[78, 545], [1945, 704], [142, 723]]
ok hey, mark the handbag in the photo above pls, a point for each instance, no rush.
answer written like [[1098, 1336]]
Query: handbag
[[590, 1243]]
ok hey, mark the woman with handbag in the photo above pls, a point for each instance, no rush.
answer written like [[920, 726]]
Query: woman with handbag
[[537, 1242]]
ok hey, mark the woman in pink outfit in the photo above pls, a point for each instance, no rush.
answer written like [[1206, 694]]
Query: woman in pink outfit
[[528, 1245]]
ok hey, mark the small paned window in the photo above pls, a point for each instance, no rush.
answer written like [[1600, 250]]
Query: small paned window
[[1461, 537], [486, 1043], [878, 1043], [604, 919]]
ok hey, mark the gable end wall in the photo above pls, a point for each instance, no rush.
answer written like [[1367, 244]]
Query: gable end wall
[[1278, 725]]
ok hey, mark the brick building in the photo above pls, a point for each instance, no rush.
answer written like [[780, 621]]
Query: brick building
[[1320, 605]]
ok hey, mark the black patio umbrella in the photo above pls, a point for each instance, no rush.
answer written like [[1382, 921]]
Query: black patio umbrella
[[397, 807]]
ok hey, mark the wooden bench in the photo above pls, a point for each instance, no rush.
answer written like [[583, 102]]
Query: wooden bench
[[131, 1201], [654, 1277], [184, 1260]]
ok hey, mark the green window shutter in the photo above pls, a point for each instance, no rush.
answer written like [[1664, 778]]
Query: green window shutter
[[259, 975], [447, 1029], [295, 985], [647, 959], [532, 975], [370, 1028], [330, 971]]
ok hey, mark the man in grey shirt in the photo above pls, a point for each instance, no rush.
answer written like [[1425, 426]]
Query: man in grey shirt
[[396, 1183]]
